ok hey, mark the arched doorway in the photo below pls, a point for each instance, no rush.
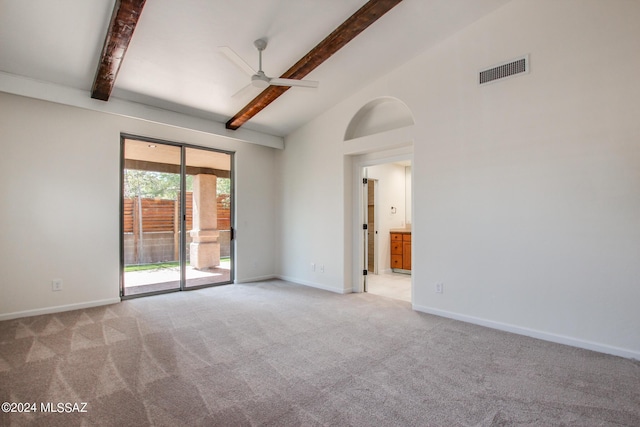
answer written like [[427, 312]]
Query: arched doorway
[[379, 133]]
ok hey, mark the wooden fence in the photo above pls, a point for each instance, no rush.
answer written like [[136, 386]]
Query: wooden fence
[[161, 215]]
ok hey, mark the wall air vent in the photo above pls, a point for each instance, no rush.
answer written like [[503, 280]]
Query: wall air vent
[[508, 69]]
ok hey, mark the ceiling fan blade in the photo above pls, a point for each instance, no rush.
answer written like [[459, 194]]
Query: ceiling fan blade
[[294, 82], [236, 59]]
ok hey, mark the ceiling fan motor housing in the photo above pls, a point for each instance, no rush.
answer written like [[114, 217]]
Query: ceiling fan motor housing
[[260, 80]]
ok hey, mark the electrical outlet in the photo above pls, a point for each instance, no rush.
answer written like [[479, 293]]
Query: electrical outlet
[[313, 266], [56, 285], [321, 268], [439, 287]]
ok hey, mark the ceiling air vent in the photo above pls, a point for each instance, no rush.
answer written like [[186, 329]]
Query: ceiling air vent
[[511, 68]]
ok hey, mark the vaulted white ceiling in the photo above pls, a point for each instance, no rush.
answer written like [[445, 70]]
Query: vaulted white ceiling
[[173, 61]]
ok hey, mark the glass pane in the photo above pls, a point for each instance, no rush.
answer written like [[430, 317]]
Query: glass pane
[[151, 233], [208, 250]]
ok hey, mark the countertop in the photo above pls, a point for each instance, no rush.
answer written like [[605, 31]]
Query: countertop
[[400, 230]]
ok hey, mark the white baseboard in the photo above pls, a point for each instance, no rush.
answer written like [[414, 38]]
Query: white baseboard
[[315, 285], [58, 309], [546, 336], [256, 279]]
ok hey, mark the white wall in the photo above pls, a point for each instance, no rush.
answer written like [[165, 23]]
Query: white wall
[[391, 192], [408, 192], [311, 180], [59, 218], [525, 192]]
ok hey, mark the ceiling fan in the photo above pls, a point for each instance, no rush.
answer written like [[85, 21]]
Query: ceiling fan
[[259, 78]]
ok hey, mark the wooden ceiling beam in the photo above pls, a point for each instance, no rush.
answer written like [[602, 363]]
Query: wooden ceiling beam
[[347, 31], [123, 22]]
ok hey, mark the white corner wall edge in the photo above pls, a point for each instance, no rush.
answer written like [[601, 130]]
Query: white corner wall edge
[[314, 285], [545, 336], [58, 309], [30, 88]]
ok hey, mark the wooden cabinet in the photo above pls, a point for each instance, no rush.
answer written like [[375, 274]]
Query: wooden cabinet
[[401, 251]]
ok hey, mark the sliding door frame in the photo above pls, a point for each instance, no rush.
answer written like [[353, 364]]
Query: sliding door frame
[[183, 206]]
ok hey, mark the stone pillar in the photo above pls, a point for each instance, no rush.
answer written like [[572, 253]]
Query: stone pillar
[[204, 250]]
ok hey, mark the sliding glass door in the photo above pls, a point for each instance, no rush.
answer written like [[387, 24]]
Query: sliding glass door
[[176, 217], [208, 246]]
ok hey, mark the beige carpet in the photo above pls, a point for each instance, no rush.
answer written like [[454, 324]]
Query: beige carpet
[[274, 353]]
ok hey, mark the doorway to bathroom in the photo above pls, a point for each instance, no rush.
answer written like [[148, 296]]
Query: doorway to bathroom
[[388, 239]]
